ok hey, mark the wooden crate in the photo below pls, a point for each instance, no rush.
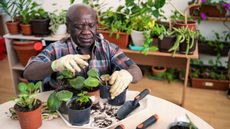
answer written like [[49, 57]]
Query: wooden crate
[[210, 84]]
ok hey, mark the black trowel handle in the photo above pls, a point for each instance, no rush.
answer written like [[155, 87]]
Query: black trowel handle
[[141, 95]]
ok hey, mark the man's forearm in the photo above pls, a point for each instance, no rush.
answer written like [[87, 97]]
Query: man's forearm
[[135, 71], [38, 71]]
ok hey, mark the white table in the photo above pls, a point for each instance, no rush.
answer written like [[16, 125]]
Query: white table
[[166, 111]]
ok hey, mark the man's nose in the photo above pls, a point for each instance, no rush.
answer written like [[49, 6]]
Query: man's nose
[[86, 30]]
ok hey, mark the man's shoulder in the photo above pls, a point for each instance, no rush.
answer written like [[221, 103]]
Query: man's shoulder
[[59, 43]]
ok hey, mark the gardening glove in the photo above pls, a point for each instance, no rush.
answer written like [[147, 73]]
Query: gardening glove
[[119, 81], [70, 62]]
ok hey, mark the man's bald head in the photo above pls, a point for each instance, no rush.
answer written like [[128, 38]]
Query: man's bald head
[[77, 10]]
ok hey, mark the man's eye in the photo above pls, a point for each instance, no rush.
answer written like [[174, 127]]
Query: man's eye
[[78, 26], [91, 25]]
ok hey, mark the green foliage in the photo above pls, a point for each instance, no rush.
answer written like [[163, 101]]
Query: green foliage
[[25, 8], [105, 79], [158, 30], [57, 19], [169, 75], [10, 8], [39, 13], [77, 83], [91, 82], [56, 98], [148, 44], [176, 16], [27, 94], [83, 98], [65, 74], [184, 35]]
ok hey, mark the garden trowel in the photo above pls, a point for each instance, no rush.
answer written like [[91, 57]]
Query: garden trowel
[[130, 106]]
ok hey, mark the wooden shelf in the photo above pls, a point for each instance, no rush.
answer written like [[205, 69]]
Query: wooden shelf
[[18, 67], [224, 19], [157, 53], [20, 36]]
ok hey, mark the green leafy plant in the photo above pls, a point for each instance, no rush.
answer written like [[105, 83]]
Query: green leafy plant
[[158, 31], [184, 35], [39, 13], [27, 95], [83, 99], [25, 8], [105, 79], [169, 75], [57, 19], [10, 8], [56, 98]]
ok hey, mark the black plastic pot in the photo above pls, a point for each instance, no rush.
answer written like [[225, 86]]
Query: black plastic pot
[[183, 46], [78, 117], [104, 91], [40, 27], [117, 101], [166, 43], [63, 108]]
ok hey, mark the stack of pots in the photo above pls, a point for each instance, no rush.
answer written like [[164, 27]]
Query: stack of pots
[[24, 50]]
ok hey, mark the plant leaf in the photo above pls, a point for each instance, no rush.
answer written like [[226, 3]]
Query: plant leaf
[[91, 82], [22, 87], [93, 73], [77, 82], [64, 95], [53, 103]]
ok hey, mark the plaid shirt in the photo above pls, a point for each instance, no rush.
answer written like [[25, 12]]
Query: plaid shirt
[[106, 57]]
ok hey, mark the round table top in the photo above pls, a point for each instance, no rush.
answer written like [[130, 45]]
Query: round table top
[[166, 111]]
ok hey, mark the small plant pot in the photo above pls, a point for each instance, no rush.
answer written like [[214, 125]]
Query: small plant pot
[[117, 101], [137, 37], [190, 25], [183, 46], [40, 27], [166, 43], [13, 27], [212, 11], [157, 70], [30, 119], [63, 108], [78, 117], [26, 29], [95, 93]]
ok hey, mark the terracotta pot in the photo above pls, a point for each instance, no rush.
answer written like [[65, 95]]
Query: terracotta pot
[[194, 11], [24, 51], [212, 11], [96, 94], [13, 27], [122, 41], [191, 25], [156, 70], [26, 29], [31, 119]]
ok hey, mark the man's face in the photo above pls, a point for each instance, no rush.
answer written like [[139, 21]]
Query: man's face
[[83, 30]]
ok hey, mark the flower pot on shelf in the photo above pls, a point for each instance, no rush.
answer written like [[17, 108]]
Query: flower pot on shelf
[[40, 27], [212, 11], [205, 48], [26, 29], [61, 30], [183, 46], [122, 41], [77, 116], [194, 11], [13, 27], [29, 119], [137, 37], [190, 24], [166, 43], [24, 50]]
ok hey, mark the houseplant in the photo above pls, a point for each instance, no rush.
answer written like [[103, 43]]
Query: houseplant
[[57, 22], [40, 22], [10, 8], [28, 108], [185, 41], [25, 8], [79, 109]]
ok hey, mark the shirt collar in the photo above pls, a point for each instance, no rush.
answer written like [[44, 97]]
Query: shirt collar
[[75, 46]]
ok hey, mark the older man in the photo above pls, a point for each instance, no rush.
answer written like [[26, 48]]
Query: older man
[[84, 49]]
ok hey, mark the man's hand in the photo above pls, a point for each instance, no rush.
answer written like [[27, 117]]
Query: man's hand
[[119, 81], [70, 62]]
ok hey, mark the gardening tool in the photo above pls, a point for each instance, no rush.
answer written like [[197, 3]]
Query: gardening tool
[[151, 120], [130, 106]]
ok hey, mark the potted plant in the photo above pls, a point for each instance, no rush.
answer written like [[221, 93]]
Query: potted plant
[[166, 40], [105, 92], [212, 76], [25, 8], [157, 32], [79, 109], [40, 22], [28, 108], [158, 70], [10, 8], [185, 41], [57, 23]]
